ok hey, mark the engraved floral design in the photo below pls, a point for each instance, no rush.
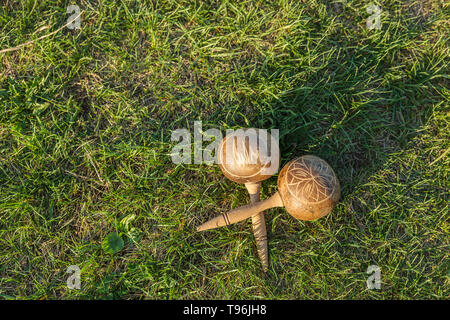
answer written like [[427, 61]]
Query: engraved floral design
[[310, 179]]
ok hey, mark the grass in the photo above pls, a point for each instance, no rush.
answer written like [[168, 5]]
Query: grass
[[86, 118]]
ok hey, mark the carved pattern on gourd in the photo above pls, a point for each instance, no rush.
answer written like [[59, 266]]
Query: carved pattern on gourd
[[312, 178], [243, 158]]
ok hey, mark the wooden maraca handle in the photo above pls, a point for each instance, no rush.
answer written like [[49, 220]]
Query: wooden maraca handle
[[259, 225], [242, 213]]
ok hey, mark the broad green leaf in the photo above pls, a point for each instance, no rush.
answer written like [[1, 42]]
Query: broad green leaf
[[113, 243]]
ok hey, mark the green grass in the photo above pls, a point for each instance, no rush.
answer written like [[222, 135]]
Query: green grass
[[85, 123]]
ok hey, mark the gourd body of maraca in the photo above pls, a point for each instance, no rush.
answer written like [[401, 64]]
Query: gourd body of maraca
[[308, 187], [248, 156]]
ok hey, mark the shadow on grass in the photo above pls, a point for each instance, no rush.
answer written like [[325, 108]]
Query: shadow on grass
[[360, 115]]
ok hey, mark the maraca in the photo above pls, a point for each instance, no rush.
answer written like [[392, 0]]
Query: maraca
[[243, 158], [307, 188]]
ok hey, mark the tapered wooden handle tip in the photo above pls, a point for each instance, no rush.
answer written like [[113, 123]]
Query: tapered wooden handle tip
[[241, 213]]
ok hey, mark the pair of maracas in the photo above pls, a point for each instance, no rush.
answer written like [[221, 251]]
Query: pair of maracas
[[307, 186]]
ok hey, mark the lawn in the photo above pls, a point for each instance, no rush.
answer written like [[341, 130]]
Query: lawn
[[86, 117]]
